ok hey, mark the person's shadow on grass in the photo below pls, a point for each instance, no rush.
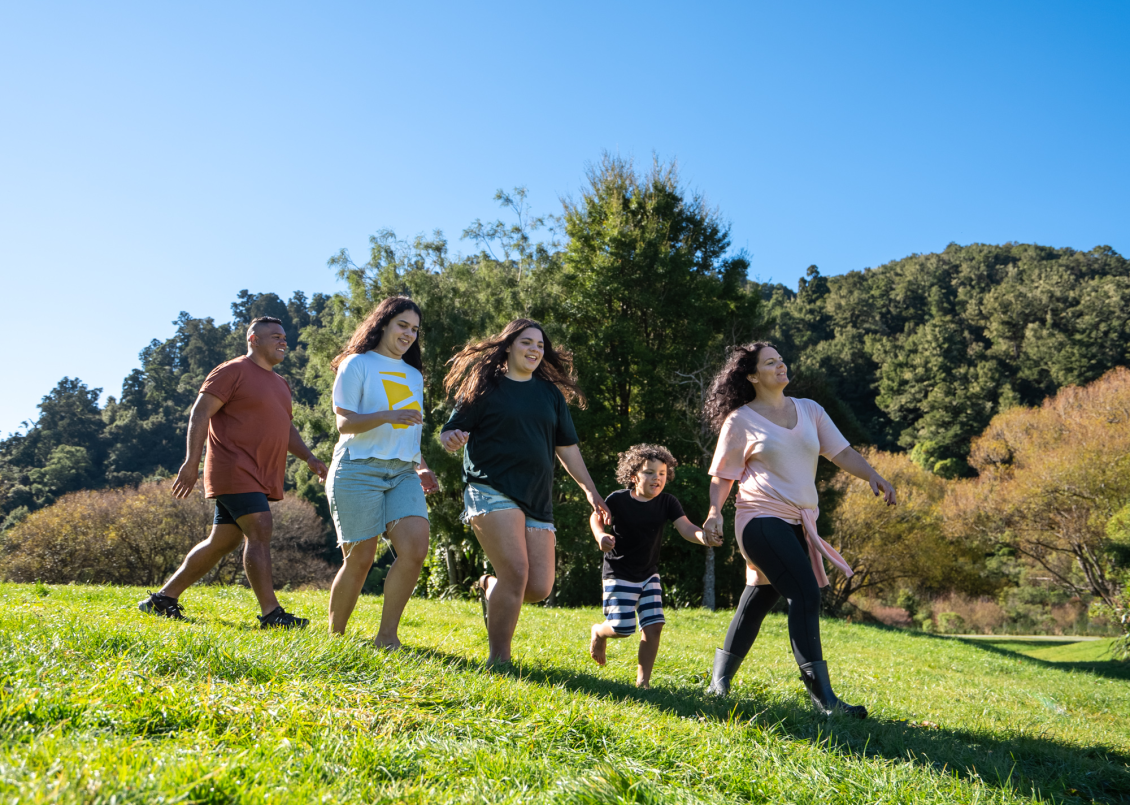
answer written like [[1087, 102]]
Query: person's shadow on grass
[[1028, 763]]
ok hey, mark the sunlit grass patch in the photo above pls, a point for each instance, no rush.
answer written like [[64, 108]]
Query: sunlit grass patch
[[98, 700]]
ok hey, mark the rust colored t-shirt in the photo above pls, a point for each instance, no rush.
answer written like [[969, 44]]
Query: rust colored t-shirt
[[248, 436]]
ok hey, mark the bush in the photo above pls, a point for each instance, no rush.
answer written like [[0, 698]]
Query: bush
[[951, 623], [139, 535]]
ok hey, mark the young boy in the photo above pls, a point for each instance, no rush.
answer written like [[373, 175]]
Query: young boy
[[631, 552]]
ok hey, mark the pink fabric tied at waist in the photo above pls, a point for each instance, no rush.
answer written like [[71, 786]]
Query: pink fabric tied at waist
[[818, 549]]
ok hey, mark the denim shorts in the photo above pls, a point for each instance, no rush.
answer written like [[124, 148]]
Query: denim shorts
[[482, 499], [367, 495]]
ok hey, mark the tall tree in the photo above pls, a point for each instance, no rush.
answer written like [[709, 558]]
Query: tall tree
[[650, 300]]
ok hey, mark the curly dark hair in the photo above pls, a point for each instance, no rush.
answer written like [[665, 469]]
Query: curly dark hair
[[731, 389], [477, 368], [632, 459], [368, 333]]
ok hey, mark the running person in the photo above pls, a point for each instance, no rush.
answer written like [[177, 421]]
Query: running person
[[243, 411], [511, 411], [378, 478], [631, 583], [771, 443]]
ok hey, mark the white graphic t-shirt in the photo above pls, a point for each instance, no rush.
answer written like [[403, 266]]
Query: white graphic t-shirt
[[371, 382]]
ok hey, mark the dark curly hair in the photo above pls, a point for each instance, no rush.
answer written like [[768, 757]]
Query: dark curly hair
[[731, 389], [632, 459], [368, 333], [477, 368]]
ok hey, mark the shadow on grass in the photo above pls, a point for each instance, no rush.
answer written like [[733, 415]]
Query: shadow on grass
[[1026, 762], [1111, 669]]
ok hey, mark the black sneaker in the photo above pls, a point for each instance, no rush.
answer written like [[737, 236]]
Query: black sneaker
[[157, 604], [279, 618]]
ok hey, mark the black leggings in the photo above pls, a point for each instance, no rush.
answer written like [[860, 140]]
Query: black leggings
[[780, 551]]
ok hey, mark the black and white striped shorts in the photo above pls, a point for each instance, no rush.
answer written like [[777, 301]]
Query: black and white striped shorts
[[623, 599]]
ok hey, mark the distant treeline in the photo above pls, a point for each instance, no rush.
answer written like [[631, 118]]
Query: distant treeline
[[636, 276]]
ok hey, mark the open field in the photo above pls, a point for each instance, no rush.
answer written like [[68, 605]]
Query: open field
[[101, 704]]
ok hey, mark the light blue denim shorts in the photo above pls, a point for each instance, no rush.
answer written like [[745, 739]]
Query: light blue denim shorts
[[482, 499], [369, 495]]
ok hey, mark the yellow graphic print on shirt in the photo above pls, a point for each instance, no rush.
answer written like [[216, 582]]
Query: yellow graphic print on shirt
[[397, 393]]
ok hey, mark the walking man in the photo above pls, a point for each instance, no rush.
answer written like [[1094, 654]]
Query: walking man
[[244, 412]]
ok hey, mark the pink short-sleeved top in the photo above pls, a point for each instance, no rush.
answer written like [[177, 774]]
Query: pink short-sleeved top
[[775, 466]]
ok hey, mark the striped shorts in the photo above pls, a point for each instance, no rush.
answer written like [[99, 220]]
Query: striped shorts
[[623, 599]]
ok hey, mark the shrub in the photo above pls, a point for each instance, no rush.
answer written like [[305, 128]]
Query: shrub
[[951, 623], [139, 535]]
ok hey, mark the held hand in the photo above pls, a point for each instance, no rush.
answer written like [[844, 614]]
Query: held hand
[[880, 485], [452, 440], [712, 528], [601, 508], [186, 479], [710, 541], [607, 542], [428, 480], [318, 468], [405, 416]]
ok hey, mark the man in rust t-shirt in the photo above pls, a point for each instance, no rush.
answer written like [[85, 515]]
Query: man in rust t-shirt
[[244, 412], [248, 436]]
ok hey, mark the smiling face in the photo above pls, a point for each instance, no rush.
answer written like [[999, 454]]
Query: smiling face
[[771, 374], [649, 480], [268, 341], [525, 354], [399, 334]]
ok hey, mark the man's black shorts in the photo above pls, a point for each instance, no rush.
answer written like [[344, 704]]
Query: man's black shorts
[[230, 508]]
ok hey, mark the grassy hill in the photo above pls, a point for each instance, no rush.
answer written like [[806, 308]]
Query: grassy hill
[[101, 704]]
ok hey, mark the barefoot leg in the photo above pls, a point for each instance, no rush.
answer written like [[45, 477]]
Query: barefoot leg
[[598, 640]]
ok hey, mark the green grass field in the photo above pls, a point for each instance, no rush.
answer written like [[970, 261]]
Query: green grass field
[[101, 704]]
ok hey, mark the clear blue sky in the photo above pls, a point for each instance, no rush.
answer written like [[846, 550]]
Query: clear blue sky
[[160, 157]]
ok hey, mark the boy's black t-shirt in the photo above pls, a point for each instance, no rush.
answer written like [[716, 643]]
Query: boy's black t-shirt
[[514, 429], [637, 526]]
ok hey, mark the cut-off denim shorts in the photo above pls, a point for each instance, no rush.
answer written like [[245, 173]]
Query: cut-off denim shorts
[[482, 499], [369, 495]]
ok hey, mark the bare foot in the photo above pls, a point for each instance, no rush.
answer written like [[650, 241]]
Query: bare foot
[[390, 645], [643, 684], [597, 645]]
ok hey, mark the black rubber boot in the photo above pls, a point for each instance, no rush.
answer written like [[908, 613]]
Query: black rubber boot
[[725, 666], [815, 678]]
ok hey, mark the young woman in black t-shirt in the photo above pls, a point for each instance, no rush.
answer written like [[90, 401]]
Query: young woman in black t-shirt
[[511, 392]]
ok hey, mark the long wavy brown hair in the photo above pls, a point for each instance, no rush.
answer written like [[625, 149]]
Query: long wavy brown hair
[[477, 368], [731, 388], [368, 333]]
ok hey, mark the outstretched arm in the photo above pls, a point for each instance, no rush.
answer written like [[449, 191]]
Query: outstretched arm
[[719, 491], [297, 447], [570, 457], [604, 540], [849, 460], [205, 407], [692, 533]]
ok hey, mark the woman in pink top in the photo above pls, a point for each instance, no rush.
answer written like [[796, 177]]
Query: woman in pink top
[[770, 444]]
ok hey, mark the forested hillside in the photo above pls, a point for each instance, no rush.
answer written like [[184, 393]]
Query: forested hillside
[[925, 350], [637, 277]]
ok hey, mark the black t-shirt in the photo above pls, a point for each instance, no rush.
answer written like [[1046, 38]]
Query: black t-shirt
[[637, 526], [514, 429]]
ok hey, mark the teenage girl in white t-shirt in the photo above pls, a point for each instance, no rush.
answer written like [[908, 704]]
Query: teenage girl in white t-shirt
[[771, 443], [378, 478]]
